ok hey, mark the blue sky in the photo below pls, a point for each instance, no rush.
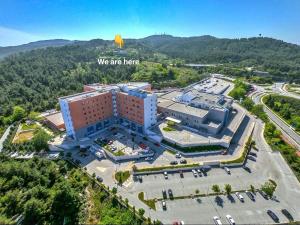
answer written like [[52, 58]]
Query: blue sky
[[22, 21]]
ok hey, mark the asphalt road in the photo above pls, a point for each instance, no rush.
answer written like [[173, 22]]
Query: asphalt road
[[3, 138]]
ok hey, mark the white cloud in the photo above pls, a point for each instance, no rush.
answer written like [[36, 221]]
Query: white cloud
[[11, 37]]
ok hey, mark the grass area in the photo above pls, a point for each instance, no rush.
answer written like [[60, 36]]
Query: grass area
[[115, 153], [169, 128], [122, 176], [150, 202], [29, 126], [118, 153], [23, 136], [194, 148], [166, 167]]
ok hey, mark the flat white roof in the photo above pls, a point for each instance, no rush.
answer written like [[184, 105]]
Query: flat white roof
[[173, 119]]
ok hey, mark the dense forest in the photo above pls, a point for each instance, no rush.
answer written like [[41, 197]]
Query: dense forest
[[40, 191], [35, 79]]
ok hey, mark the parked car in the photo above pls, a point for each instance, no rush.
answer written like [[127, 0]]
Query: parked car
[[199, 172], [183, 161], [140, 179], [110, 142], [224, 152], [181, 173], [173, 162], [247, 169], [240, 197], [230, 220], [273, 216], [166, 175], [170, 192], [164, 205], [250, 157], [178, 155], [250, 195], [217, 220], [194, 172], [287, 215], [164, 193], [99, 179], [148, 159], [227, 170], [265, 196], [253, 154], [157, 144]]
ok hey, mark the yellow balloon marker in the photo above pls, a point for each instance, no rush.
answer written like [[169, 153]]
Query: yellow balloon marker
[[119, 41]]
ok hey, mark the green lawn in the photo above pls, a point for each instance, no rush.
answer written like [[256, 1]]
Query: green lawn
[[168, 128], [150, 202], [166, 167], [122, 176], [195, 148], [29, 127]]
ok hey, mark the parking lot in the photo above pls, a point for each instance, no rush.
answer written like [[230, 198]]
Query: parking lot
[[268, 165], [191, 211]]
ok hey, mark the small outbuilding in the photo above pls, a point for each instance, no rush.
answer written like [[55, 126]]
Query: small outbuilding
[[55, 121]]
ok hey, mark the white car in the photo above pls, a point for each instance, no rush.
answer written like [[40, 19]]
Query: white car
[[230, 220], [194, 172], [227, 170], [217, 220], [178, 155], [240, 197], [166, 175]]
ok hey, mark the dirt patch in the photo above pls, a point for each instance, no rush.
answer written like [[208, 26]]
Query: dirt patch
[[23, 136]]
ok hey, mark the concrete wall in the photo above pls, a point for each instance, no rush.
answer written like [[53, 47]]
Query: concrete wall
[[64, 107], [150, 110]]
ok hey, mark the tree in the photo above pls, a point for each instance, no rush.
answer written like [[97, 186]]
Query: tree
[[248, 104], [268, 188], [141, 212], [197, 191], [65, 204], [114, 190], [252, 188], [33, 212], [227, 189], [40, 140], [18, 113], [216, 188], [126, 201]]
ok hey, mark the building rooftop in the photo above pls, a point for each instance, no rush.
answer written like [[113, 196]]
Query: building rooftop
[[124, 86], [80, 96], [55, 118], [180, 107]]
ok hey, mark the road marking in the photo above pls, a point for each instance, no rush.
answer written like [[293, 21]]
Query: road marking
[[101, 169]]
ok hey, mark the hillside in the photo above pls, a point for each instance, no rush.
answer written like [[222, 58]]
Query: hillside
[[35, 79], [6, 51], [264, 53]]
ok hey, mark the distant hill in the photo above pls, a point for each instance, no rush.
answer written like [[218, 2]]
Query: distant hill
[[9, 50], [208, 49], [36, 78]]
